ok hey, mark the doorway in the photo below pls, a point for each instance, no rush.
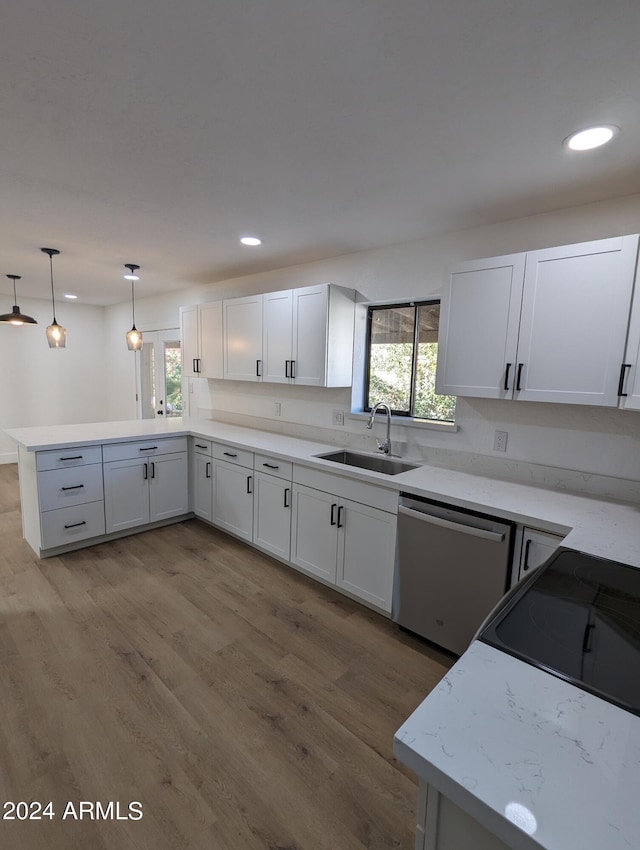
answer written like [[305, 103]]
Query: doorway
[[161, 374]]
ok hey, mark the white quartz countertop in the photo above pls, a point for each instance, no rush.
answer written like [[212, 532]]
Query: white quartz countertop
[[537, 761], [496, 731]]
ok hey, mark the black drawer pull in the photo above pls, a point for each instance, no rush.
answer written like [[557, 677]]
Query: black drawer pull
[[207, 469], [75, 457], [200, 446], [229, 454], [623, 371], [506, 376], [249, 483], [76, 524], [75, 487], [271, 465], [287, 490], [149, 449]]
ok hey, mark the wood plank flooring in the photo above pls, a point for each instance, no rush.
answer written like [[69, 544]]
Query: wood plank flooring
[[245, 706]]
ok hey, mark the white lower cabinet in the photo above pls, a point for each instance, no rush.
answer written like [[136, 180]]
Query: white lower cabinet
[[233, 498], [140, 490], [537, 546], [344, 542], [272, 514], [202, 479], [444, 826]]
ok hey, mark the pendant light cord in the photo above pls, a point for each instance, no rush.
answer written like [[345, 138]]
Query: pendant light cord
[[15, 297], [133, 306], [53, 298]]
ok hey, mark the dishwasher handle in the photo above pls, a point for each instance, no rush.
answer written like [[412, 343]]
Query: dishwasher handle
[[495, 536]]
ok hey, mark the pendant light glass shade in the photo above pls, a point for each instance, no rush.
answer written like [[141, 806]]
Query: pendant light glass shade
[[15, 317], [56, 334], [134, 336]]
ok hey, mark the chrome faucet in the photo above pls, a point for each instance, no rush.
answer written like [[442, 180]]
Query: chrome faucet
[[383, 445]]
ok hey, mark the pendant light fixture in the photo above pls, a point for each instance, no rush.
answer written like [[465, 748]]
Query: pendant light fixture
[[134, 336], [56, 334], [15, 317]]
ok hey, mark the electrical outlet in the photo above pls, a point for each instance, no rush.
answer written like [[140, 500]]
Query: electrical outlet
[[277, 408], [338, 417], [500, 441]]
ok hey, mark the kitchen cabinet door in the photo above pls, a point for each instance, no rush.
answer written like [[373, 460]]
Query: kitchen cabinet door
[[537, 546], [366, 552], [310, 314], [126, 493], [168, 486], [189, 342], [243, 338], [479, 320], [314, 532], [202, 486], [277, 336], [272, 515], [575, 312], [629, 384], [211, 339], [233, 499]]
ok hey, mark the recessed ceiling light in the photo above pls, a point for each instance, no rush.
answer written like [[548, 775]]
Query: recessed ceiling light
[[591, 137], [70, 296], [251, 240]]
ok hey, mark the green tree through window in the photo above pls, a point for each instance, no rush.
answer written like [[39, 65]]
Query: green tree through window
[[402, 353]]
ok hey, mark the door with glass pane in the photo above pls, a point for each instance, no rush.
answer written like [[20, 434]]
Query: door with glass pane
[[161, 374]]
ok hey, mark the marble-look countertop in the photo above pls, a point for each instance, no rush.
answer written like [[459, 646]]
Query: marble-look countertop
[[537, 761], [497, 736]]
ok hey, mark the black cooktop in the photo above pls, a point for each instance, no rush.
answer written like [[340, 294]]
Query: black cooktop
[[577, 617]]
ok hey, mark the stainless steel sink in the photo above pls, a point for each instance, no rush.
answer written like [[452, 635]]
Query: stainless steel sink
[[376, 463]]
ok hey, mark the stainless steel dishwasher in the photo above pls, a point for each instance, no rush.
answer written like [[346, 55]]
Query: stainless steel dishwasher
[[453, 566]]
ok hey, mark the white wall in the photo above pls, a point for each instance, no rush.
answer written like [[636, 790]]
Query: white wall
[[42, 386], [588, 440]]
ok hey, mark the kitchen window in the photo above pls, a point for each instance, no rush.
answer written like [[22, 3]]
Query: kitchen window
[[401, 358]]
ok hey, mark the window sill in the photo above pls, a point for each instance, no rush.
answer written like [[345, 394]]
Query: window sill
[[408, 422]]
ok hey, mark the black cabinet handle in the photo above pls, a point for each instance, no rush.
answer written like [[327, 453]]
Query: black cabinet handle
[[340, 509], [286, 368], [525, 560], [207, 470], [146, 470], [76, 524], [75, 487], [333, 513], [153, 470], [229, 454], [586, 640], [520, 365], [292, 371], [506, 376], [195, 364], [271, 465], [287, 490], [258, 371], [200, 446], [249, 483], [75, 457], [623, 372], [149, 449]]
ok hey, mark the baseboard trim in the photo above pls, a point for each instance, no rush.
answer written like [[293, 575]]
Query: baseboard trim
[[9, 457]]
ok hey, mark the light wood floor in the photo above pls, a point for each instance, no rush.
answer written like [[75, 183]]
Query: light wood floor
[[245, 706]]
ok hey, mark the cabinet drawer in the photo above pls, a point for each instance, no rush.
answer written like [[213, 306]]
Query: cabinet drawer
[[202, 446], [144, 448], [231, 454], [67, 525], [68, 457], [61, 488], [274, 466]]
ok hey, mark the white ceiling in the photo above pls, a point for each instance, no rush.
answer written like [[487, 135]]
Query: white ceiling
[[158, 132]]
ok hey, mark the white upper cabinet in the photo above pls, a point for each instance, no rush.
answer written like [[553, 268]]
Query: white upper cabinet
[[277, 336], [243, 338], [478, 335], [548, 325], [295, 336], [201, 340], [629, 380]]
